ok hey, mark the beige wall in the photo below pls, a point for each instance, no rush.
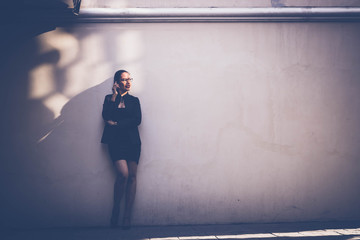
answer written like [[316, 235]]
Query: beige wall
[[242, 122]]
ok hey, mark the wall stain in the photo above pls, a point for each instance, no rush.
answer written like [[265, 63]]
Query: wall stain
[[277, 3]]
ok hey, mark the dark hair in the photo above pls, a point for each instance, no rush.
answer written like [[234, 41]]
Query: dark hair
[[117, 75]]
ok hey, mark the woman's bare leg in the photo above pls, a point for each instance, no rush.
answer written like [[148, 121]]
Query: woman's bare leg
[[122, 173], [130, 193]]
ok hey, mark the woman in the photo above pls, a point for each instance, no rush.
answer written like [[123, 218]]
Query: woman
[[122, 116]]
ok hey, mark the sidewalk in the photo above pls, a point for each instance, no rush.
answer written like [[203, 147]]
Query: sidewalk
[[279, 231]]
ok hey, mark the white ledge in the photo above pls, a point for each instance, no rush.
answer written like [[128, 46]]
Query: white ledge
[[219, 14]]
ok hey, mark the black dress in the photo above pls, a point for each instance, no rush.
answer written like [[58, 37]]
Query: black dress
[[123, 139]]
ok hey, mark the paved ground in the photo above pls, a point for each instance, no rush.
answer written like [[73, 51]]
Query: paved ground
[[280, 231]]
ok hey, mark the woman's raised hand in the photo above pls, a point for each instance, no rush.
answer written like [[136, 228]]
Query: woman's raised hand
[[115, 92], [114, 89]]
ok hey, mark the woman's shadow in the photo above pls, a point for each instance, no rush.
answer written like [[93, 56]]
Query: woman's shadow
[[73, 139], [79, 164]]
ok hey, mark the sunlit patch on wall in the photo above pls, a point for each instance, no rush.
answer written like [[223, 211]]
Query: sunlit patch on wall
[[65, 43], [93, 51], [41, 81], [55, 103], [80, 77], [81, 66], [74, 80]]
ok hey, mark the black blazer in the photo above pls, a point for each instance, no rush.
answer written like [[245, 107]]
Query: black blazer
[[130, 124]]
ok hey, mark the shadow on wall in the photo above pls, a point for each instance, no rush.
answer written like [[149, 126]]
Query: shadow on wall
[[55, 175], [77, 162], [49, 164], [17, 139]]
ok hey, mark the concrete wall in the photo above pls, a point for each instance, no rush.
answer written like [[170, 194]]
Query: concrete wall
[[242, 122]]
